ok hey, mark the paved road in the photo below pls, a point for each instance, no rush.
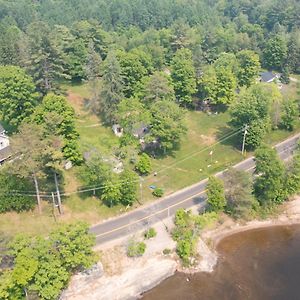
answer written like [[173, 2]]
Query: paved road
[[194, 195]]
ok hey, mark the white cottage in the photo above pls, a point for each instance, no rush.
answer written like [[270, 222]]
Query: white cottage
[[4, 145]]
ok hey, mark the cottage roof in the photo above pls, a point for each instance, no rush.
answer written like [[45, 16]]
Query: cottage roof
[[268, 76], [5, 153], [2, 130]]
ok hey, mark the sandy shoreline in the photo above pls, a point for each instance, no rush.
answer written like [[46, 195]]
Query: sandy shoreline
[[125, 278]]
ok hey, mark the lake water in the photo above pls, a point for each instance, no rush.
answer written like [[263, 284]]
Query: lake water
[[260, 264]]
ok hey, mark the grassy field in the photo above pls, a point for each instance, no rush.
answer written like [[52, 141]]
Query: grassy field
[[206, 149]]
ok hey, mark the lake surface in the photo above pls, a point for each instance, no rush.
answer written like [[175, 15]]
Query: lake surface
[[260, 264]]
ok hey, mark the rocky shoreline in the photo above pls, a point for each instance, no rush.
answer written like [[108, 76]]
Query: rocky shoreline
[[123, 278]]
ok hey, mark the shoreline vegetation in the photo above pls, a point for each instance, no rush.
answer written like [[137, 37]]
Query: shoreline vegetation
[[135, 276]]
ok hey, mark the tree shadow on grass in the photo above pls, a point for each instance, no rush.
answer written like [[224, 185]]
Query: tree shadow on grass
[[229, 136]]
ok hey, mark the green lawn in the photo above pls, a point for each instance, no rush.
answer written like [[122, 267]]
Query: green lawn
[[193, 162], [189, 164]]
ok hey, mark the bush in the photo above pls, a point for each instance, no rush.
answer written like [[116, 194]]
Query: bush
[[136, 249], [150, 233], [158, 192], [144, 164], [206, 219], [14, 202], [167, 251]]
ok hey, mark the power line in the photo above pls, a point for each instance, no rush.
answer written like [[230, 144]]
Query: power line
[[100, 187]]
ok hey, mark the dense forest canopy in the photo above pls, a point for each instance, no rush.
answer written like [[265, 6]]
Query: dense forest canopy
[[154, 13]]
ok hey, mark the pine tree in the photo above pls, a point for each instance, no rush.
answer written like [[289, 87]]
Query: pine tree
[[45, 63], [92, 71], [112, 88]]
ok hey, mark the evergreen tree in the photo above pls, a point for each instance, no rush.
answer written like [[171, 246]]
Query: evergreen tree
[[45, 63], [92, 71], [238, 193], [112, 88]]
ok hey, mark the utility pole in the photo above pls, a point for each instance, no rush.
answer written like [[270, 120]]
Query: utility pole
[[58, 194], [37, 193], [244, 138]]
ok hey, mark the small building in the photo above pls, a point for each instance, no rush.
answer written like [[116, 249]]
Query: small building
[[141, 131], [268, 77], [118, 130], [5, 151]]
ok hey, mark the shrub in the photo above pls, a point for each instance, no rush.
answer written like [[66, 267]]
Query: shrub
[[206, 219], [143, 166], [158, 192], [167, 251], [150, 233], [135, 249]]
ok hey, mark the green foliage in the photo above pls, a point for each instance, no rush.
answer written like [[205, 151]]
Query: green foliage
[[253, 108], [269, 186], [167, 125], [129, 183], [155, 88], [44, 266], [10, 201], [289, 115], [218, 84], [111, 88], [143, 166], [58, 117], [238, 193], [115, 189], [132, 116], [275, 53], [95, 171], [150, 233], [215, 194], [206, 219], [135, 249], [293, 175], [111, 193], [74, 246], [132, 71], [183, 76], [44, 63], [185, 234], [249, 67], [17, 95], [158, 192], [167, 251]]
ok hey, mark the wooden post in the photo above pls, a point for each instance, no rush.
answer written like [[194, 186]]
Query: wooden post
[[58, 194], [37, 193]]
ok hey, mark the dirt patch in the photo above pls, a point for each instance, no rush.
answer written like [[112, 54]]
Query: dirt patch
[[208, 140], [113, 261], [76, 101]]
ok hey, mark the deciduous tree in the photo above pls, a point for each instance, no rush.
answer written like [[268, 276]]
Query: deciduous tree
[[183, 76], [17, 95], [215, 194], [269, 186]]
